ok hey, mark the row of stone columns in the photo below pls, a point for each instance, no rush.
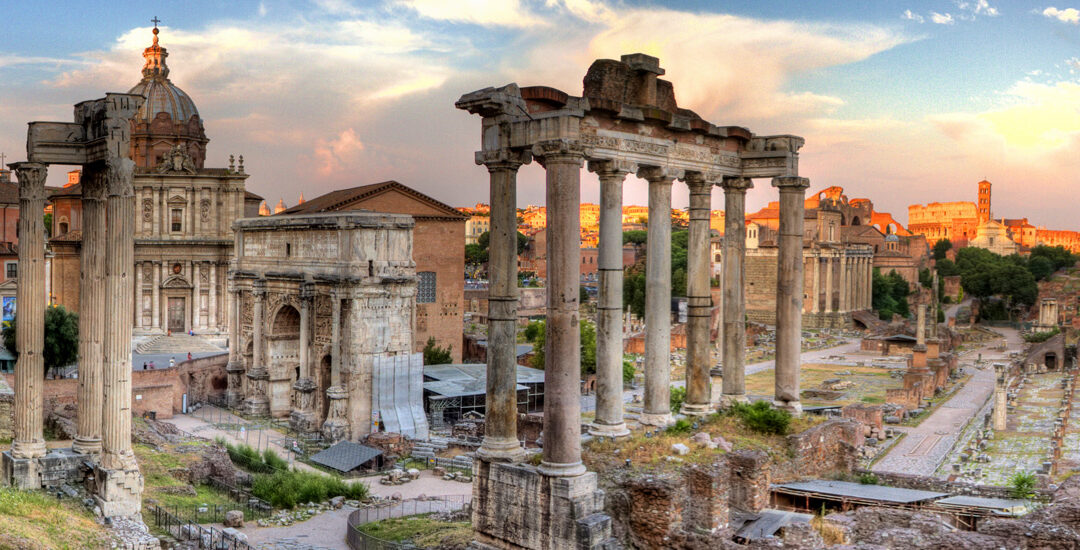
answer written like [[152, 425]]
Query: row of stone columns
[[854, 290]]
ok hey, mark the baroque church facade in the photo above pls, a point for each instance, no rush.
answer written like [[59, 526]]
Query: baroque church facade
[[184, 215]]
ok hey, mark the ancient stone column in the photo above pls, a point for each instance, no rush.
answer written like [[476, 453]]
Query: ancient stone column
[[212, 298], [789, 292], [302, 418], [829, 307], [937, 305], [500, 422], [815, 297], [234, 395], [29, 441], [699, 298], [562, 160], [138, 309], [91, 312], [196, 295], [845, 283], [999, 418], [119, 482], [257, 403], [657, 410], [609, 326], [734, 313], [336, 425], [155, 293]]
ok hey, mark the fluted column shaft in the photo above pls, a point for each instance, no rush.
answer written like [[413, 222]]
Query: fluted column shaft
[[155, 293], [699, 298], [845, 281], [657, 411], [234, 395], [306, 295], [734, 306], [815, 297], [257, 402], [119, 302], [336, 425], [29, 439], [609, 324], [829, 307], [562, 161], [500, 422], [91, 313], [789, 293], [335, 340]]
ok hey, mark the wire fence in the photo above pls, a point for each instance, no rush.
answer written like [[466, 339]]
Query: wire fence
[[359, 540], [188, 530], [261, 434], [252, 506]]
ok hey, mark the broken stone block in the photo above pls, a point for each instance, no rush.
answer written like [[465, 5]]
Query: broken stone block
[[680, 449], [234, 518], [722, 443]]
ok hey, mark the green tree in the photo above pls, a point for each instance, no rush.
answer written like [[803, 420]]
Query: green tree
[[588, 347], [475, 254], [48, 225], [940, 248], [1040, 267], [61, 338], [583, 294], [946, 268], [636, 237], [484, 240], [628, 370], [889, 294], [533, 329], [434, 355], [634, 291]]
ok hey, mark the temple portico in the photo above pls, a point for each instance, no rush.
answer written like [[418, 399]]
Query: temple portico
[[99, 140], [626, 122]]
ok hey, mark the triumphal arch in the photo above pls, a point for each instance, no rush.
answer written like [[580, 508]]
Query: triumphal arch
[[625, 122], [99, 140]]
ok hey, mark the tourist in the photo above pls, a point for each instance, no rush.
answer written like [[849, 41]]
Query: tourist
[[172, 362]]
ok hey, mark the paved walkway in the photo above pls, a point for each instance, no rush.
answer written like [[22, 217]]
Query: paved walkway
[[926, 445]]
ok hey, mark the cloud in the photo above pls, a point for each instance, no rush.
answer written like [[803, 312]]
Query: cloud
[[942, 19], [507, 13], [1068, 15], [909, 16], [1073, 64], [332, 156], [969, 9]]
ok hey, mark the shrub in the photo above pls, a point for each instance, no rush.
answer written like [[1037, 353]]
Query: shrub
[[628, 371], [248, 458], [681, 426], [1022, 485], [868, 478], [273, 461], [1039, 337], [288, 488], [761, 417], [678, 395]]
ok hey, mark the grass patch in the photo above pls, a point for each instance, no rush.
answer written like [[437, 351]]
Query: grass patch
[[287, 489], [33, 520], [870, 383], [250, 459], [762, 418], [162, 486], [422, 531]]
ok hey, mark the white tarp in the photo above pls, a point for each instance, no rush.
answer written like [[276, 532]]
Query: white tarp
[[399, 394]]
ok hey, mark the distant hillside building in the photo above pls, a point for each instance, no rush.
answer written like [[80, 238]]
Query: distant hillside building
[[438, 250]]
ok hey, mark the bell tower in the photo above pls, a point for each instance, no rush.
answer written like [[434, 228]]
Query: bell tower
[[984, 201]]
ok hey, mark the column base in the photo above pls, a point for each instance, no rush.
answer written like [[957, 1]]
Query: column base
[[661, 420], [728, 400], [234, 400], [696, 409], [596, 429], [86, 446], [119, 491], [33, 448], [334, 431], [500, 449], [793, 407], [560, 469], [256, 406], [304, 422], [516, 506]]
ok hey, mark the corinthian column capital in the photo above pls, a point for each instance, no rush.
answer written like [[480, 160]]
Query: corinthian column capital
[[503, 159], [736, 184], [31, 179]]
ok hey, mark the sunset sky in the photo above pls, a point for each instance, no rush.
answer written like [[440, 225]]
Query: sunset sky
[[901, 102]]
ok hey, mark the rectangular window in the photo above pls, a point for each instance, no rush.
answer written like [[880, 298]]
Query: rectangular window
[[11, 269], [425, 290], [177, 219]]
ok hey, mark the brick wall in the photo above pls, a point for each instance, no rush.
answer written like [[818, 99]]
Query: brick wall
[[761, 286], [826, 448]]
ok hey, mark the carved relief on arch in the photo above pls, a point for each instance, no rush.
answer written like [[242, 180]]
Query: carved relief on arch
[[247, 314], [176, 281]]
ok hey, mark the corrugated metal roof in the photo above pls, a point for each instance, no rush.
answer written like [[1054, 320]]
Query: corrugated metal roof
[[861, 491], [768, 522], [1000, 504], [346, 456], [470, 379]]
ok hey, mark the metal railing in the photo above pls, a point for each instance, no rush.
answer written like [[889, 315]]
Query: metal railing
[[185, 530], [359, 540], [252, 506]]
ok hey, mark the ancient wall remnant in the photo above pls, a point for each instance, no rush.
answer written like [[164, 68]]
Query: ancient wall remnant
[[829, 447]]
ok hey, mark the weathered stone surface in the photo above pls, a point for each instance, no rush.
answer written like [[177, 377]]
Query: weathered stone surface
[[7, 410], [234, 518]]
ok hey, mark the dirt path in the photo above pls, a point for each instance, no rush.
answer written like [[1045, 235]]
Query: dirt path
[[926, 445]]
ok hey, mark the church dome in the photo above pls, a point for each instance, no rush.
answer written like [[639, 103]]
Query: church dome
[[167, 118], [892, 238], [162, 96]]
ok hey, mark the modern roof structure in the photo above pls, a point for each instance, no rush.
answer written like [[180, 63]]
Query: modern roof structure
[[1006, 507], [766, 523], [857, 492], [346, 456], [470, 379]]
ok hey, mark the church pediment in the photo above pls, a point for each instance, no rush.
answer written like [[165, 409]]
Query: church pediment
[[176, 281], [177, 199]]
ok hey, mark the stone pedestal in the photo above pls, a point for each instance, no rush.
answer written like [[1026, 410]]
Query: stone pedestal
[[234, 396], [257, 404], [516, 507], [21, 473], [303, 419], [336, 426]]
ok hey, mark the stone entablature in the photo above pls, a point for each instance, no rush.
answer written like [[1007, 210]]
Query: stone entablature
[[319, 296]]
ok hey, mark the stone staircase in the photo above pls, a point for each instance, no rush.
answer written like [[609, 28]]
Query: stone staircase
[[177, 344]]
